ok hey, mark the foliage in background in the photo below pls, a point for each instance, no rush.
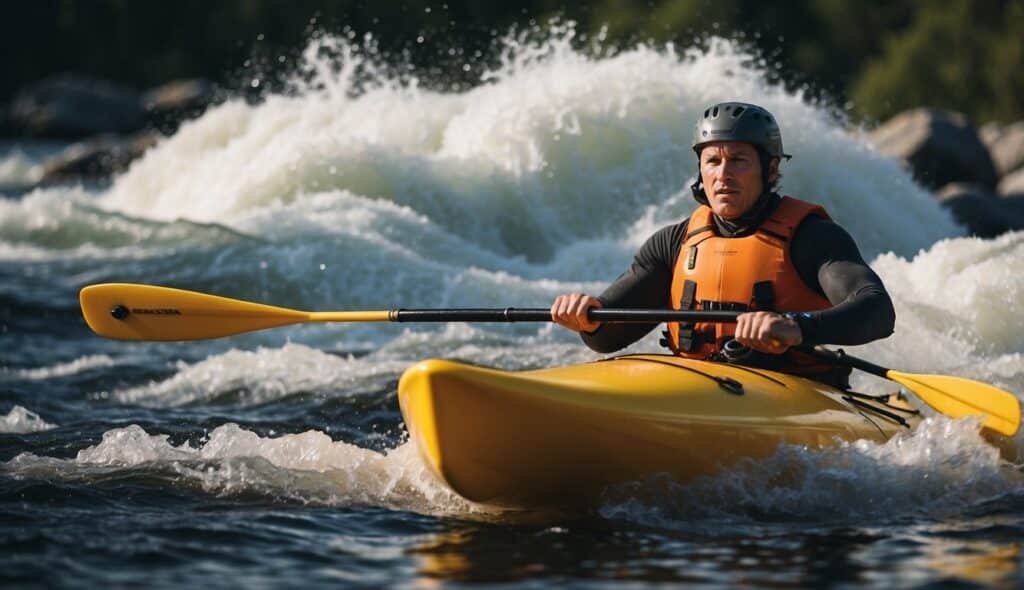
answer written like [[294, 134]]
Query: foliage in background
[[962, 55], [883, 56]]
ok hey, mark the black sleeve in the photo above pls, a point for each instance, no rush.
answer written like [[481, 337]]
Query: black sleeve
[[827, 259], [646, 285]]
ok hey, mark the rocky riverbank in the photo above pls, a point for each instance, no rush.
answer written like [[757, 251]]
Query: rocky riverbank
[[978, 174], [109, 124]]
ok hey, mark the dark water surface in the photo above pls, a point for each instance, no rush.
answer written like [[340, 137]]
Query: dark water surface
[[152, 522]]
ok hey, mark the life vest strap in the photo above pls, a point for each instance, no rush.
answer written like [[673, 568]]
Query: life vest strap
[[723, 306], [763, 296], [687, 342]]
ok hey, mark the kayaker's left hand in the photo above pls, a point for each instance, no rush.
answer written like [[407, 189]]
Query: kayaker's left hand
[[767, 331]]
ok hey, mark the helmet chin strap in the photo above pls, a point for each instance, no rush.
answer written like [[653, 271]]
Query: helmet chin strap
[[698, 191]]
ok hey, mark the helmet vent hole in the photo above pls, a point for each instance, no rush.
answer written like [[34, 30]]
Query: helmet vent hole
[[714, 112], [738, 111]]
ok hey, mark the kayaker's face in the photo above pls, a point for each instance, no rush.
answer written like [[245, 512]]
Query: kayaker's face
[[731, 172]]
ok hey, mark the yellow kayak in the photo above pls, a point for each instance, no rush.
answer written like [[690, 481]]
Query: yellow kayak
[[560, 436]]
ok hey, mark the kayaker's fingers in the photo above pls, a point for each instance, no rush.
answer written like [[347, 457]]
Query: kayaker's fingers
[[767, 332], [570, 311], [744, 328], [582, 306], [558, 311]]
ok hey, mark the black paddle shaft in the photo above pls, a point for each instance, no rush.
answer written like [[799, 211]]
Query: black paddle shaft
[[511, 314], [838, 357], [618, 316]]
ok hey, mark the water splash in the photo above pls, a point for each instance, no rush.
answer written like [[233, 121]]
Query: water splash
[[308, 467], [22, 421], [79, 365], [939, 469], [263, 375], [510, 165]]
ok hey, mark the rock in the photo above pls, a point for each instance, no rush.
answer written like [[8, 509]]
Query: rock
[[990, 132], [983, 213], [179, 97], [1013, 184], [68, 106], [1006, 146], [96, 158], [939, 146]]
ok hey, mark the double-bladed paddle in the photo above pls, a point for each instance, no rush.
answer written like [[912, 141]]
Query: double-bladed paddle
[[147, 312]]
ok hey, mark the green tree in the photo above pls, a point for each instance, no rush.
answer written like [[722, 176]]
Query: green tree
[[961, 55]]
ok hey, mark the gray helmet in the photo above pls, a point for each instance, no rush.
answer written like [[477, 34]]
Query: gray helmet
[[739, 121]]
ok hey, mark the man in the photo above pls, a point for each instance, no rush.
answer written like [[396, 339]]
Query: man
[[797, 275]]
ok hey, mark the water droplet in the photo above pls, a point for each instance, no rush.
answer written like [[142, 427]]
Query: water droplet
[[255, 83], [323, 266]]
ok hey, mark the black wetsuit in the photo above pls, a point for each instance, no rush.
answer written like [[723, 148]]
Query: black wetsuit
[[824, 254]]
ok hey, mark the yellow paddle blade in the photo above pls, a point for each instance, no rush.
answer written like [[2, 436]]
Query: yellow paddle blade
[[957, 397], [146, 312]]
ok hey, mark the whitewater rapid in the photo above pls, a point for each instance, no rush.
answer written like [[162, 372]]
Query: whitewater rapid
[[358, 189]]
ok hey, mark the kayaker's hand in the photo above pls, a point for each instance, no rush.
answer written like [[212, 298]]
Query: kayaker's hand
[[767, 331], [570, 311]]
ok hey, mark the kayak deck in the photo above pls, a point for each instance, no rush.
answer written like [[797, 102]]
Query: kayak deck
[[561, 435]]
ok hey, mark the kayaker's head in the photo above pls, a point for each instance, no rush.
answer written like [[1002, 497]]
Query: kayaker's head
[[739, 147]]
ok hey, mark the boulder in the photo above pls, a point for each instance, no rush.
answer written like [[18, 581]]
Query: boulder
[[940, 147], [990, 132], [179, 97], [96, 158], [1013, 184], [69, 106], [980, 211], [1006, 145]]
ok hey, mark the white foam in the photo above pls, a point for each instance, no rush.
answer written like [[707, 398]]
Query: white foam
[[937, 470], [542, 179], [959, 310], [17, 168], [22, 421], [262, 375], [516, 164], [968, 288], [64, 224], [246, 378], [305, 467], [85, 363]]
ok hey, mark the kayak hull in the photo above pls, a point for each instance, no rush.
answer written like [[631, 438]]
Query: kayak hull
[[560, 436]]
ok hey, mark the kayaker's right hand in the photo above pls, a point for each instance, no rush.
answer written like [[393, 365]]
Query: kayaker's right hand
[[570, 311]]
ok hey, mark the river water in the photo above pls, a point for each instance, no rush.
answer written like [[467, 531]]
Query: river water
[[279, 459]]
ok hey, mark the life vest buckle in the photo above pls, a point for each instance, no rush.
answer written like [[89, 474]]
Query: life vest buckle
[[707, 305]]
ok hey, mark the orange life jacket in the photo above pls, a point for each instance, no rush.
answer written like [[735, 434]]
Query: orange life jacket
[[753, 272]]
